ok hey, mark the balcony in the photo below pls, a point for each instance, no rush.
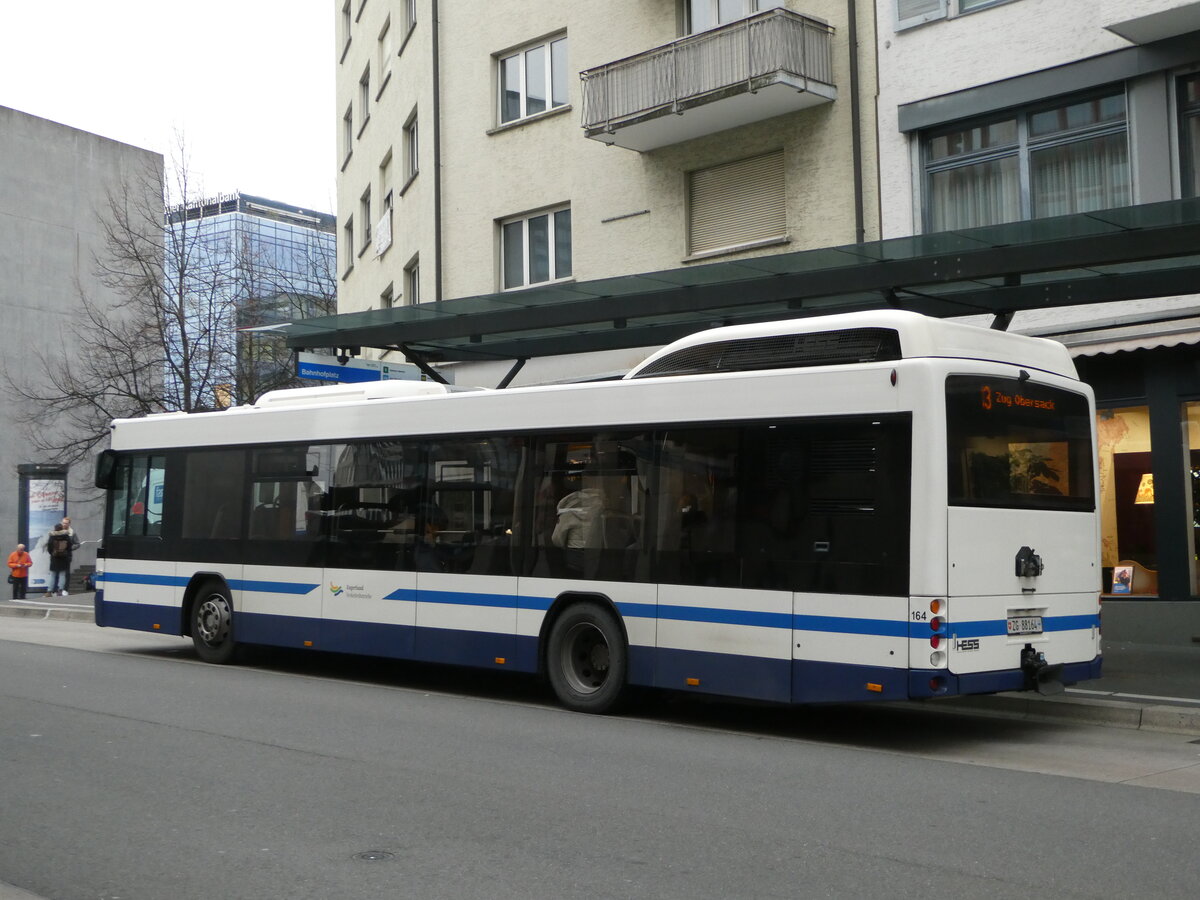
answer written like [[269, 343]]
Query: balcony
[[768, 64]]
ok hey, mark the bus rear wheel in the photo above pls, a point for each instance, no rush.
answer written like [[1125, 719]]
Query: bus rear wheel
[[586, 659], [212, 624]]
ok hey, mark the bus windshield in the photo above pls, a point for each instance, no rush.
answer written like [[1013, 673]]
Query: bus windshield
[[1017, 444]]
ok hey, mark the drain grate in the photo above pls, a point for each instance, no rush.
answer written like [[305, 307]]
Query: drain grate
[[374, 855]]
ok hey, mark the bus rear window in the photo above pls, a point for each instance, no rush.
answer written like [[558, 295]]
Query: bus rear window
[[1017, 444]]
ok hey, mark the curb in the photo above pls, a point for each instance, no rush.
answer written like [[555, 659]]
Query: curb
[[1080, 710], [56, 613]]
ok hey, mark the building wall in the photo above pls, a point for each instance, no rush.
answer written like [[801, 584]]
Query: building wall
[[53, 184], [1003, 41], [628, 209]]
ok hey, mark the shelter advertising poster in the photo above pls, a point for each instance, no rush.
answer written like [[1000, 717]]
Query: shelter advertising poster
[[47, 504]]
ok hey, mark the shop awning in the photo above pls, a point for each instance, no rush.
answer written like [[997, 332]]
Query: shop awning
[[1146, 336], [1151, 250]]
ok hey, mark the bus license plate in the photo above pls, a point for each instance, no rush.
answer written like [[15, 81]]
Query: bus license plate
[[1025, 625]]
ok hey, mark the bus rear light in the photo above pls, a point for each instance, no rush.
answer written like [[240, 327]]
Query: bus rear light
[[937, 684], [937, 659], [935, 606], [935, 624], [935, 641]]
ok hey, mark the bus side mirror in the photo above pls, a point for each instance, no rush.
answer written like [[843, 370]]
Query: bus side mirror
[[106, 465]]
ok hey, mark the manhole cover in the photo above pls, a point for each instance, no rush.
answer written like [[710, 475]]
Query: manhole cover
[[374, 855]]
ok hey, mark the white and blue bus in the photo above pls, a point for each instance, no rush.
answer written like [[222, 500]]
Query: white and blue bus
[[856, 507]]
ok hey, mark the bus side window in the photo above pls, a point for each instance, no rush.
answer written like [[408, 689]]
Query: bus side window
[[698, 506], [590, 508]]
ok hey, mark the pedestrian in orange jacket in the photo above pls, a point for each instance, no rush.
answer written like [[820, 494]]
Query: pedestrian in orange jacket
[[18, 571]]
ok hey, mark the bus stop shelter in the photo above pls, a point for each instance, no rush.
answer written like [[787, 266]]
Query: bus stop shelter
[[1133, 252]]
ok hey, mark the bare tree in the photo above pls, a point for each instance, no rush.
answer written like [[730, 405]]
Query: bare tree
[[167, 336]]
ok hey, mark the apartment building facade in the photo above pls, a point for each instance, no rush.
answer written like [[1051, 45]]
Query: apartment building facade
[[1002, 111], [489, 147]]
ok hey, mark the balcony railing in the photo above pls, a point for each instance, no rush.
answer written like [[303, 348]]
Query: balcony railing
[[777, 53]]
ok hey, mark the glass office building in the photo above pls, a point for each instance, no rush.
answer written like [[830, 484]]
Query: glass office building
[[236, 265]]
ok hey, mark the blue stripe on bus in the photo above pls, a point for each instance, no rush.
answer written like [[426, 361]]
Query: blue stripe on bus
[[996, 627], [237, 584], [755, 618], [458, 598], [726, 616], [840, 625], [272, 587], [157, 580]]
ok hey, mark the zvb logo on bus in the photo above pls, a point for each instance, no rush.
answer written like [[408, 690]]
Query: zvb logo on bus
[[335, 589], [989, 398]]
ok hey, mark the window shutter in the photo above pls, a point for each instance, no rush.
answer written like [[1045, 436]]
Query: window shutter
[[737, 203], [914, 12]]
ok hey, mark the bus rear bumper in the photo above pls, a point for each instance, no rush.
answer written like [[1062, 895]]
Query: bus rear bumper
[[940, 683]]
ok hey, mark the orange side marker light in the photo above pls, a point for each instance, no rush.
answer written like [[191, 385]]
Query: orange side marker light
[[877, 688]]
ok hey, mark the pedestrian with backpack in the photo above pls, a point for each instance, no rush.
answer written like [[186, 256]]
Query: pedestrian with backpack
[[59, 545]]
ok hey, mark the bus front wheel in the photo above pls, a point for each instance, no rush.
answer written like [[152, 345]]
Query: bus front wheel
[[586, 659], [212, 624]]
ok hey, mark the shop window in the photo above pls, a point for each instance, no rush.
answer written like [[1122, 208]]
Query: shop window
[[1191, 419], [1128, 541]]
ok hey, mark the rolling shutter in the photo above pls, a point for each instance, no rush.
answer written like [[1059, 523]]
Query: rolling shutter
[[915, 12], [737, 203]]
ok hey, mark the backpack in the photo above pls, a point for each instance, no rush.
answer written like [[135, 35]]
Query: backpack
[[60, 546]]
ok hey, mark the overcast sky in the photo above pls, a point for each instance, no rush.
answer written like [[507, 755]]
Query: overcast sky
[[248, 83]]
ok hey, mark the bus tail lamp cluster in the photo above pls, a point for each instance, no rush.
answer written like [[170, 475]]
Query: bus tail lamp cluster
[[937, 625]]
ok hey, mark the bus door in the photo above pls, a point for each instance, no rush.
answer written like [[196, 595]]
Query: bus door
[[1023, 574], [462, 552], [364, 503]]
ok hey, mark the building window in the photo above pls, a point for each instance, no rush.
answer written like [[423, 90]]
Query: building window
[[364, 215], [412, 282], [533, 80], [536, 249], [348, 243], [385, 180], [364, 98], [347, 22], [386, 51], [910, 13], [383, 228], [410, 13], [1049, 161], [737, 203], [1189, 130], [411, 146], [705, 14], [388, 298], [347, 133]]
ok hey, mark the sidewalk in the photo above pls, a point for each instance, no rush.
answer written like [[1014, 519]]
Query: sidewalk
[[1155, 687]]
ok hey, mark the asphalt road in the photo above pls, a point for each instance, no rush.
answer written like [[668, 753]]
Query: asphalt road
[[130, 770]]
